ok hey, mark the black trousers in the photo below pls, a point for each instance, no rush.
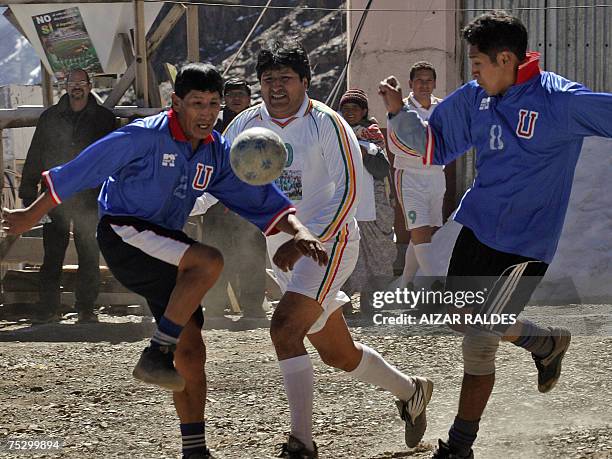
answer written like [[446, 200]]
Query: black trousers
[[56, 236], [244, 253]]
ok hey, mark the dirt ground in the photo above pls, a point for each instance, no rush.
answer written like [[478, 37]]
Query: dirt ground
[[73, 383]]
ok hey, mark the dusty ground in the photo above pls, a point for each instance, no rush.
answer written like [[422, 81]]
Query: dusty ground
[[72, 382]]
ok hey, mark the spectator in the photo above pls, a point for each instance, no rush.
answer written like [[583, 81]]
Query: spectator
[[374, 213], [237, 96], [62, 132], [420, 187]]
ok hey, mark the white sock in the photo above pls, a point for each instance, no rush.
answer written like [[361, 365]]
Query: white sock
[[425, 256], [411, 266], [298, 379], [375, 370]]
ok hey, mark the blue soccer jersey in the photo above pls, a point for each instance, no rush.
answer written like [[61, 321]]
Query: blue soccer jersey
[[527, 144], [148, 170]]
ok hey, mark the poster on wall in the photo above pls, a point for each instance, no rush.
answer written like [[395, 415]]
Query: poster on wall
[[67, 44]]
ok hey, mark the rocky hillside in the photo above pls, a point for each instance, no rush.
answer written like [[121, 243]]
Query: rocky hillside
[[322, 32], [222, 31]]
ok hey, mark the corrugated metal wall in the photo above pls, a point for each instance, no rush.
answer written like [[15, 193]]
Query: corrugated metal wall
[[574, 42]]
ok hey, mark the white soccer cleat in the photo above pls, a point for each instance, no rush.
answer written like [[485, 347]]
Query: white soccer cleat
[[413, 412]]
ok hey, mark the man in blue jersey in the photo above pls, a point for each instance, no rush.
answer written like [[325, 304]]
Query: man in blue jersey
[[527, 127], [152, 171]]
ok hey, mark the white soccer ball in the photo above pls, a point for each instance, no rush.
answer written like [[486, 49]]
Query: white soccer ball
[[258, 156]]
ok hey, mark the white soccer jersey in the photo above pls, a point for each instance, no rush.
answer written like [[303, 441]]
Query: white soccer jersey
[[405, 157], [324, 170]]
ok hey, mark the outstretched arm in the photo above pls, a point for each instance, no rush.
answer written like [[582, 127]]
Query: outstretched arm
[[406, 124], [19, 221]]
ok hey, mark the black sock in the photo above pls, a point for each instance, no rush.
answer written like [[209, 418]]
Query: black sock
[[193, 437], [462, 435]]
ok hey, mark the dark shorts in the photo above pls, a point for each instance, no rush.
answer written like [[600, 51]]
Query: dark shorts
[[502, 282], [144, 257]]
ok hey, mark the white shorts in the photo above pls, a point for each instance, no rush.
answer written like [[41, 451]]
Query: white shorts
[[421, 195], [319, 283]]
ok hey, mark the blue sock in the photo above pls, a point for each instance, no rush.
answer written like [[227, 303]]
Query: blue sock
[[462, 435], [193, 438], [167, 333], [535, 339]]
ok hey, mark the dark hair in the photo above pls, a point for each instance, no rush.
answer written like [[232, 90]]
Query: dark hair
[[78, 69], [288, 53], [236, 83], [422, 65], [198, 77], [495, 32]]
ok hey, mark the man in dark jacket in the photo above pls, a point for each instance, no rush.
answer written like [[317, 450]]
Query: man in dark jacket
[[237, 97], [62, 131]]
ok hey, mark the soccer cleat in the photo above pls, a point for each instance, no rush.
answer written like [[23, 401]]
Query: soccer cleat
[[156, 366], [413, 412], [200, 455], [295, 449], [549, 367], [47, 317], [87, 317], [444, 451]]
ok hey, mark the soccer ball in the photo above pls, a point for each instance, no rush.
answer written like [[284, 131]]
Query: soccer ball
[[258, 156]]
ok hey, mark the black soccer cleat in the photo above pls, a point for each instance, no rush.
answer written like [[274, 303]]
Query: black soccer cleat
[[200, 455], [549, 367], [444, 451], [295, 449], [156, 366]]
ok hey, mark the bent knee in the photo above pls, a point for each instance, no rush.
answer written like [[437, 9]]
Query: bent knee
[[479, 354], [285, 330], [202, 258]]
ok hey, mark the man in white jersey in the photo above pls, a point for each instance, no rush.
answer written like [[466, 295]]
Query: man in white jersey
[[420, 185], [323, 178]]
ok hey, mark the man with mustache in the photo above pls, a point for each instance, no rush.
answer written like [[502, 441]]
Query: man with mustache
[[62, 132], [152, 171]]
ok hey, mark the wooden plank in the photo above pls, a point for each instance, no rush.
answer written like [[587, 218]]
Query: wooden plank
[[154, 94], [104, 298], [193, 34], [30, 249], [47, 86], [142, 82], [126, 47], [122, 85], [27, 116], [165, 27]]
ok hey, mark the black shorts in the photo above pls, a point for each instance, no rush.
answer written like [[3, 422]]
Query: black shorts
[[144, 258], [501, 282]]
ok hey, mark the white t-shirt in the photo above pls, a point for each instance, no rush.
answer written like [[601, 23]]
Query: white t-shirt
[[324, 171]]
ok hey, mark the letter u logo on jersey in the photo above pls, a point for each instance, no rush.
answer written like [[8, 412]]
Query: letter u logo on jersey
[[526, 123], [202, 177]]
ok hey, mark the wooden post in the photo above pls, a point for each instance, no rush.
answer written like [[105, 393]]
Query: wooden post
[[142, 90], [47, 86], [193, 34]]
